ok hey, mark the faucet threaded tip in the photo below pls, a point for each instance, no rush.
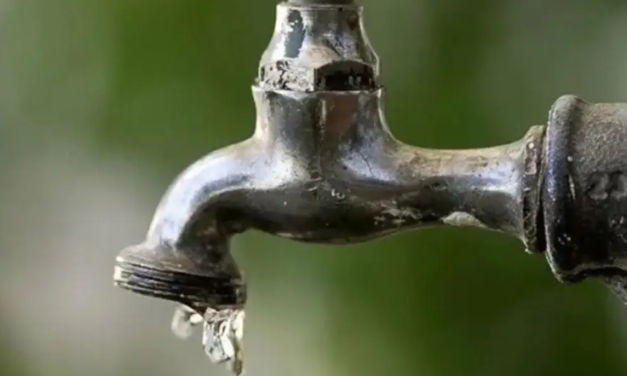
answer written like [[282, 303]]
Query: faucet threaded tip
[[168, 279]]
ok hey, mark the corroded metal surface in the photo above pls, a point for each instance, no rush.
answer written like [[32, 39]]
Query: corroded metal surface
[[322, 166]]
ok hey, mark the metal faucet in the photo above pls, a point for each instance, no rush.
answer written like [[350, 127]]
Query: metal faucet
[[323, 167]]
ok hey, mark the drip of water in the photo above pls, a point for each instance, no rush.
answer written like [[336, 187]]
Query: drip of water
[[223, 331], [184, 321], [222, 338]]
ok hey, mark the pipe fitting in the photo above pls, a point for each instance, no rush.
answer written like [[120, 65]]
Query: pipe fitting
[[585, 194]]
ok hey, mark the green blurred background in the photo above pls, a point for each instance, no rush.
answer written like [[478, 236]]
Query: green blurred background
[[103, 102]]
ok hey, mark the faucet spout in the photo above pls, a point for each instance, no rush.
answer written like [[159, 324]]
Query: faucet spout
[[185, 256]]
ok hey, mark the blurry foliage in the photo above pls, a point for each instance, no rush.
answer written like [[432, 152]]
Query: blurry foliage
[[442, 302]]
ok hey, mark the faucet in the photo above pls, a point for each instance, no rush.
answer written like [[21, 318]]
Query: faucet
[[323, 167]]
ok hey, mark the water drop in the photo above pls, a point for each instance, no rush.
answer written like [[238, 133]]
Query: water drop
[[223, 332], [184, 321]]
